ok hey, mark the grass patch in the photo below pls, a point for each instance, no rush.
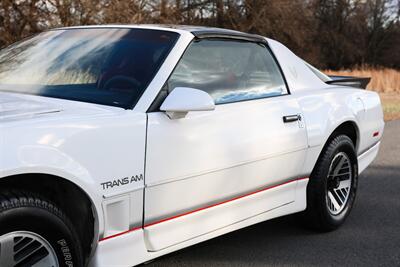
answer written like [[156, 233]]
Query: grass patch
[[391, 106]]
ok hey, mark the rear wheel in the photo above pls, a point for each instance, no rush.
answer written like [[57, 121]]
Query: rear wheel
[[333, 185], [35, 232]]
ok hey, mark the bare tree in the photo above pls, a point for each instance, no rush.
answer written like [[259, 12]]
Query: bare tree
[[328, 33]]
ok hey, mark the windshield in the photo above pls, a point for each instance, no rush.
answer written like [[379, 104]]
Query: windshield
[[108, 66]]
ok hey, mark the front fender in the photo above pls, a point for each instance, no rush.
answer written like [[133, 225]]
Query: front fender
[[36, 159], [85, 151]]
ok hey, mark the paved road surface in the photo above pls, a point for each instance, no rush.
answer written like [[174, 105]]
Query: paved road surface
[[370, 236]]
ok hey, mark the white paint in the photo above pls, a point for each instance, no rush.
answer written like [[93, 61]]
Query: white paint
[[211, 156], [129, 249], [367, 157], [205, 221], [183, 99]]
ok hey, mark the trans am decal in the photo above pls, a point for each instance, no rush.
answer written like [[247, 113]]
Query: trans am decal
[[122, 181]]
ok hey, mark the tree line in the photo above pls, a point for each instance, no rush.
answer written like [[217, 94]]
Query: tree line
[[330, 34]]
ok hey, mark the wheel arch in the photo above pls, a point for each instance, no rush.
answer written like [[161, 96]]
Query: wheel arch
[[70, 197], [348, 128]]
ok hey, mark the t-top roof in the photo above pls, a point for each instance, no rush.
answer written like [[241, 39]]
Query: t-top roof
[[205, 32], [197, 31]]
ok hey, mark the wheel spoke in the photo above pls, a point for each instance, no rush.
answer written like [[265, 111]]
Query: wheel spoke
[[30, 253], [339, 195], [333, 201], [22, 244], [339, 165]]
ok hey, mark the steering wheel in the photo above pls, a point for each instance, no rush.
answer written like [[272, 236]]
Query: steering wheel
[[121, 79]]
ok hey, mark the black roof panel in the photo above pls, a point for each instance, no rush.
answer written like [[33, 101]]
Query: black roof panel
[[207, 32]]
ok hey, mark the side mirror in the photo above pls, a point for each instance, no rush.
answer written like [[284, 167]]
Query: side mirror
[[183, 99]]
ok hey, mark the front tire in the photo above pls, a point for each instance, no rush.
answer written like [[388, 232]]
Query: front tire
[[332, 187], [35, 232]]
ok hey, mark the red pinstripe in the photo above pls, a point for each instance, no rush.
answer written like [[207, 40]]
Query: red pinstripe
[[204, 208]]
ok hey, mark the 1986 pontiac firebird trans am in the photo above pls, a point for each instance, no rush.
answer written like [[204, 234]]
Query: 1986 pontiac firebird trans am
[[120, 144]]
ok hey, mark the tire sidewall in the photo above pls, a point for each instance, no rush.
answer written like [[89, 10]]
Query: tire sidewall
[[47, 225]]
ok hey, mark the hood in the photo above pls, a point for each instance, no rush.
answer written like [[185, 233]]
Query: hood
[[15, 106]]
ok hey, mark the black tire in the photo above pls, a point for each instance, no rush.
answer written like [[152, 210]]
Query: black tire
[[22, 211], [317, 215]]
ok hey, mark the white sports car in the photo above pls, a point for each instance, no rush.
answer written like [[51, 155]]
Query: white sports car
[[120, 144]]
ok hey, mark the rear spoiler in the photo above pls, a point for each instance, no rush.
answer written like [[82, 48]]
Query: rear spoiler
[[358, 82]]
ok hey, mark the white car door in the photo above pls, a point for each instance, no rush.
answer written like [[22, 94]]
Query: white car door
[[214, 168]]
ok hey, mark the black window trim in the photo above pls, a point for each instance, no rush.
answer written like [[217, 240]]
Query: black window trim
[[156, 107]]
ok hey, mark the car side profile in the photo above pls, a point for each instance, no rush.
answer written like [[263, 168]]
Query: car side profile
[[123, 143]]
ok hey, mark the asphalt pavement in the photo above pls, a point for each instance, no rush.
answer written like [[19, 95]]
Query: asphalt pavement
[[369, 237]]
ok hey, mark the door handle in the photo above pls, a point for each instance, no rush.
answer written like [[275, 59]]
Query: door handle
[[291, 118]]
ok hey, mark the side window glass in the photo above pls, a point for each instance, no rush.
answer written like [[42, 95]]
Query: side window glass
[[230, 71]]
